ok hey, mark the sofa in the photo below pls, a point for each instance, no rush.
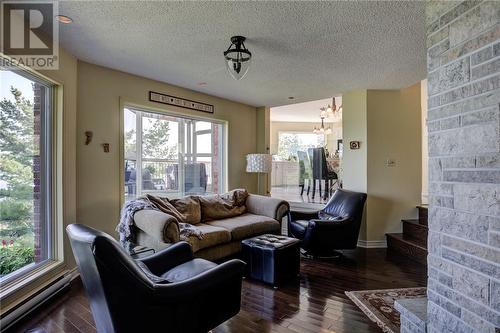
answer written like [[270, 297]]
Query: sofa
[[222, 236]]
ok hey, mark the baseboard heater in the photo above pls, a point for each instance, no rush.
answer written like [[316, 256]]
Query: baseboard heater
[[25, 308]]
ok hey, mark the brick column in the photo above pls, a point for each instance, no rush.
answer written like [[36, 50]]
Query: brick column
[[463, 40], [215, 158]]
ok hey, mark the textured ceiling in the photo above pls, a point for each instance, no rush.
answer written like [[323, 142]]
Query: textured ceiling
[[306, 112], [309, 50]]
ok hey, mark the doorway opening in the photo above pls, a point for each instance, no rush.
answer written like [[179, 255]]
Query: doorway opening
[[306, 146]]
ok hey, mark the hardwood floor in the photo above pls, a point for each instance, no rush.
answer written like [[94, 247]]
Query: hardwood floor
[[292, 194], [315, 302]]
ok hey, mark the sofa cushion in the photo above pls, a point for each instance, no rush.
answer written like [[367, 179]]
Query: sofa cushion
[[212, 235], [216, 207], [247, 225], [188, 270], [189, 207]]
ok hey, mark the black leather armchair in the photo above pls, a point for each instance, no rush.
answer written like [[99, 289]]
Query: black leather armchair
[[198, 296], [335, 227]]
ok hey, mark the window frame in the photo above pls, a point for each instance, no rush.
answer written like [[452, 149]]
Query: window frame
[[52, 186], [128, 104]]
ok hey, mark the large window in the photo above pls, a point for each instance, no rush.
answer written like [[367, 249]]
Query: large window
[[172, 156], [26, 203], [291, 142]]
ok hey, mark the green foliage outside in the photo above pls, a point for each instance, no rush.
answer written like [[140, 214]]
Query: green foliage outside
[[155, 145], [290, 143], [14, 257], [17, 149], [155, 140]]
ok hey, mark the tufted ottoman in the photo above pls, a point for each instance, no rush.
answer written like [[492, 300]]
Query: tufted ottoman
[[271, 258]]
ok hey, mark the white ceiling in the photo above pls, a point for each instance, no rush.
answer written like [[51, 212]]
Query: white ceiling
[[307, 112], [309, 50]]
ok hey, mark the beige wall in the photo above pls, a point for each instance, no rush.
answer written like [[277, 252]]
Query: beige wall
[[263, 143], [354, 126], [278, 126], [100, 91], [354, 162], [388, 125], [394, 132]]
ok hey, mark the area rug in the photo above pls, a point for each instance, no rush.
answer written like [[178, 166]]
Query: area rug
[[378, 305]]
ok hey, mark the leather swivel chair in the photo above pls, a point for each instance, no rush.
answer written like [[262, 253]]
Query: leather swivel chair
[[194, 295], [335, 227]]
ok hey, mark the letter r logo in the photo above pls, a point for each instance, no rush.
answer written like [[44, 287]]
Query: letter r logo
[[27, 28]]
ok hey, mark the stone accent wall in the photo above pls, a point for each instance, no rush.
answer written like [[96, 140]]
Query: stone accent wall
[[413, 314], [463, 40]]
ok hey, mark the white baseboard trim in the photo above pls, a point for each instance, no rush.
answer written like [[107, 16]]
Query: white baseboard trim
[[378, 244]]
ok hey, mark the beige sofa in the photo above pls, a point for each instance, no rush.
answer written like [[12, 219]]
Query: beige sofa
[[222, 237]]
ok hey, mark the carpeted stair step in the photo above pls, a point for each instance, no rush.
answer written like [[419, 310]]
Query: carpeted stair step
[[412, 229], [411, 248]]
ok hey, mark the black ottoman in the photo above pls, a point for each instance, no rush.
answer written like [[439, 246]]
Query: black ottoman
[[271, 258]]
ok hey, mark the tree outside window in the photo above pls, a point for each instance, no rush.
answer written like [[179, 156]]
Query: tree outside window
[[290, 142]]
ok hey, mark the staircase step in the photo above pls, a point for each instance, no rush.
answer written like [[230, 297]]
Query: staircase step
[[412, 229], [423, 214], [410, 248]]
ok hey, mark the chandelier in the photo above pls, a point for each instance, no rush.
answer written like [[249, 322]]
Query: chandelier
[[327, 112], [237, 58], [322, 129]]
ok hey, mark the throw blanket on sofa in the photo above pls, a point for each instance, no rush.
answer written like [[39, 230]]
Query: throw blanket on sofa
[[126, 225]]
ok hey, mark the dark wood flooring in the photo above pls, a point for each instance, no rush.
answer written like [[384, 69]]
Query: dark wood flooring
[[315, 302]]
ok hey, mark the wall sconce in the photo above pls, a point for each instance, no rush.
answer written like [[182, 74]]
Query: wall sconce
[[88, 137]]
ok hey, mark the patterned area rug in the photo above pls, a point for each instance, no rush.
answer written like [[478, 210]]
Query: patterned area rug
[[378, 305]]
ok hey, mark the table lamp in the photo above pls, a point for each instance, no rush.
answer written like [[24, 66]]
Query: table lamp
[[259, 163]]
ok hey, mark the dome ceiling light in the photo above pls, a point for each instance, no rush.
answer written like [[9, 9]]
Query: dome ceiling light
[[237, 58]]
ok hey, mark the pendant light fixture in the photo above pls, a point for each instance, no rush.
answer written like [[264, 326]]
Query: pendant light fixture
[[330, 109], [237, 58], [326, 112], [322, 129]]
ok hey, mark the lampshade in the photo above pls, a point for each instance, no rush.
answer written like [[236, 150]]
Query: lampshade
[[259, 163]]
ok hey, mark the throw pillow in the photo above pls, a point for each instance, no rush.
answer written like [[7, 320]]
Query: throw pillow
[[216, 207], [190, 209]]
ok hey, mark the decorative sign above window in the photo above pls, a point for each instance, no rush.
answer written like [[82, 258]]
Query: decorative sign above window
[[181, 102]]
